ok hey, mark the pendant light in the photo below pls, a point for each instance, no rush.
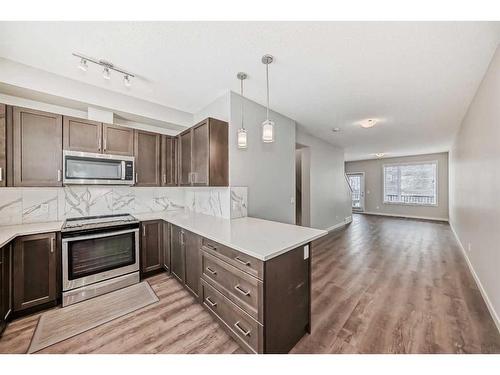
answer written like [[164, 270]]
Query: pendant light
[[242, 132], [267, 125]]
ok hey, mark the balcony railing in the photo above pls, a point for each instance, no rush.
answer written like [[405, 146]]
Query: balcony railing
[[410, 199]]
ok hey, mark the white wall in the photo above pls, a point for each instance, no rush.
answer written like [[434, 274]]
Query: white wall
[[374, 183], [268, 169], [218, 109], [475, 186], [329, 193]]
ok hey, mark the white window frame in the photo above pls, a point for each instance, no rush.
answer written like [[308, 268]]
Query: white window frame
[[411, 164]]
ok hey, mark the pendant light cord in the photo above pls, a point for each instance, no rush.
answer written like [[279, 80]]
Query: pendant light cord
[[241, 91], [267, 87]]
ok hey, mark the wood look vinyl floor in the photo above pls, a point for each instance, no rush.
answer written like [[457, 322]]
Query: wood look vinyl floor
[[382, 285]]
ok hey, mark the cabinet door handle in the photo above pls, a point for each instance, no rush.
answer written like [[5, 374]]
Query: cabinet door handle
[[164, 178], [210, 302], [240, 290], [144, 231], [99, 143], [136, 177], [213, 272], [105, 144], [244, 262], [52, 245], [242, 330], [58, 175], [1, 174]]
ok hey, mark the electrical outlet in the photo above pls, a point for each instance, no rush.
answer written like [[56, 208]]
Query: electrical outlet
[[378, 208], [292, 200], [469, 247]]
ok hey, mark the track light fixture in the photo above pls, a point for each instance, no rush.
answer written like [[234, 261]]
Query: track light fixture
[[107, 68]]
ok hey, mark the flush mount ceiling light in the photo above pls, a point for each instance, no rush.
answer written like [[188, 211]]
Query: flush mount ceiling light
[[242, 133], [335, 130], [267, 125], [368, 123], [380, 154], [107, 68]]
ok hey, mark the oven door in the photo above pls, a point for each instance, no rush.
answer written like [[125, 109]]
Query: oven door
[[88, 259], [91, 168]]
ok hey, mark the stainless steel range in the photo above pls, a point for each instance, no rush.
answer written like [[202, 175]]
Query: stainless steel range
[[99, 254]]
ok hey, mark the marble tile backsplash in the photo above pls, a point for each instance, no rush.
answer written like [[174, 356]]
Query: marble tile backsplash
[[31, 205]]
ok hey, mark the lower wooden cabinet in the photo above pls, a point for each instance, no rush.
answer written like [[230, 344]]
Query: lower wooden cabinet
[[34, 271], [5, 285], [151, 246], [185, 258]]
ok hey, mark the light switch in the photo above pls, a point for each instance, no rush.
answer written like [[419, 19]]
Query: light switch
[[306, 251]]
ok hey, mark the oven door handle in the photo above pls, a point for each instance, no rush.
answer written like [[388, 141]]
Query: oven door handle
[[99, 235]]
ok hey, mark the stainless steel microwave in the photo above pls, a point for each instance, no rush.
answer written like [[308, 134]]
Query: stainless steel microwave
[[86, 168]]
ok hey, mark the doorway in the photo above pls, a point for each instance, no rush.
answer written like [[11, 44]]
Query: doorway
[[357, 182], [302, 181]]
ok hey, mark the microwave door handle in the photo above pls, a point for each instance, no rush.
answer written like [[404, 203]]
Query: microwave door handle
[[123, 170]]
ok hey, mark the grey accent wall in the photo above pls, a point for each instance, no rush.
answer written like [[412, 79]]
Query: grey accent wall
[[268, 169], [475, 186], [329, 195], [374, 187]]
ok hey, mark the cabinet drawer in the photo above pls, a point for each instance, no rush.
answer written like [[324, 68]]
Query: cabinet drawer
[[242, 289], [243, 327], [248, 264]]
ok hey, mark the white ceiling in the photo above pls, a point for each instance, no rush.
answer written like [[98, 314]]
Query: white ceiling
[[418, 78]]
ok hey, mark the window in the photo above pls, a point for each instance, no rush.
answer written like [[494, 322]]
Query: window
[[414, 183]]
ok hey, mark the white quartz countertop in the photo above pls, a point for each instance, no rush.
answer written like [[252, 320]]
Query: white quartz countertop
[[8, 233], [261, 239]]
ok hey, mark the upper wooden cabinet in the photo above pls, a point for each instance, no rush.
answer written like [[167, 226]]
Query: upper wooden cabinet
[[117, 140], [91, 136], [34, 270], [147, 158], [203, 154], [3, 144], [169, 161], [82, 135], [37, 148]]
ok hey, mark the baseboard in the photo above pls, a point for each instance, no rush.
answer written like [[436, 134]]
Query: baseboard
[[486, 299], [404, 216], [346, 221]]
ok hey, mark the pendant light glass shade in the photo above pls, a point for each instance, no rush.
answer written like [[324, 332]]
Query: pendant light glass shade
[[242, 133], [242, 138], [268, 131], [267, 125]]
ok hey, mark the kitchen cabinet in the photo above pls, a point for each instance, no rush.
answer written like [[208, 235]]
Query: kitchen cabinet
[[3, 145], [82, 135], [166, 246], [37, 148], [203, 154], [151, 246], [5, 286], [168, 161], [91, 136], [34, 271], [185, 258], [117, 140], [177, 258], [192, 245], [147, 158]]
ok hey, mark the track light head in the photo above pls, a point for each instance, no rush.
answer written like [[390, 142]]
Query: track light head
[[106, 74], [83, 65], [126, 80]]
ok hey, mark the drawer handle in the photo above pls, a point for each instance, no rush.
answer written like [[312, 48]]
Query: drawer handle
[[212, 271], [244, 262], [242, 330], [242, 291], [211, 247], [210, 302]]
